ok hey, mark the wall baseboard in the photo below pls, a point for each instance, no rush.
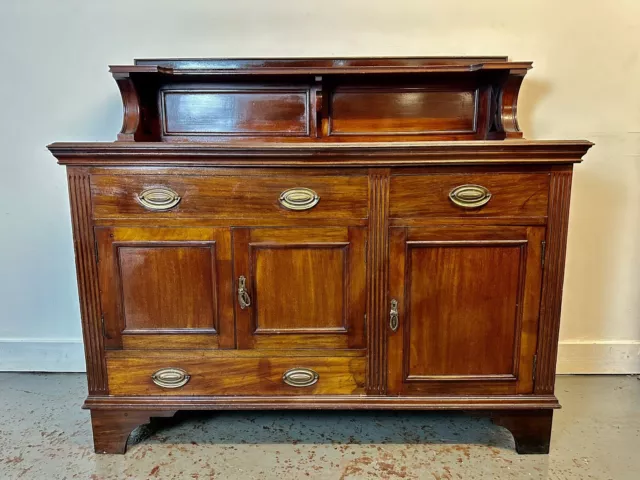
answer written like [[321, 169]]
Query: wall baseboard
[[41, 355], [67, 355], [599, 357]]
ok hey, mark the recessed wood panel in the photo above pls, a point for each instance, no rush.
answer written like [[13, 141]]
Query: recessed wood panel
[[468, 299], [238, 111], [307, 287], [167, 287], [512, 194], [402, 111], [313, 286], [463, 305]]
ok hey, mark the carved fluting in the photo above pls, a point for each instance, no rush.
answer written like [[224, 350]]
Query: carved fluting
[[87, 274], [556, 246], [377, 262], [131, 108]]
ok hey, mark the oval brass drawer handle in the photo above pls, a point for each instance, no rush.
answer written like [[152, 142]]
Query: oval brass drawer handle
[[170, 378], [470, 196], [299, 198], [300, 377], [158, 198]]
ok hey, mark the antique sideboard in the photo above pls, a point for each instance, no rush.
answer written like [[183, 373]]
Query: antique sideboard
[[320, 234]]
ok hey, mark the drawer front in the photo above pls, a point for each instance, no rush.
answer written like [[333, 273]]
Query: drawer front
[[484, 195], [286, 196], [192, 374]]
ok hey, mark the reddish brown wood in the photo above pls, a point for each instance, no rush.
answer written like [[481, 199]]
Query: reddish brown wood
[[111, 429], [468, 308], [337, 402], [88, 288], [171, 282], [507, 114], [232, 197], [531, 429], [319, 300], [130, 107], [557, 229], [231, 146], [517, 194], [215, 375], [377, 277]]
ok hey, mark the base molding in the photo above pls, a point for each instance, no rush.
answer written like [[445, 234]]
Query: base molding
[[323, 402], [620, 357], [42, 355]]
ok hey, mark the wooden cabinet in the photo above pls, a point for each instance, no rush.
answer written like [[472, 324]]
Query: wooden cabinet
[[318, 233]]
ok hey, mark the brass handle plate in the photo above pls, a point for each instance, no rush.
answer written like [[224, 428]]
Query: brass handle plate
[[299, 198], [300, 377], [243, 296], [170, 378], [158, 199], [393, 316], [470, 196]]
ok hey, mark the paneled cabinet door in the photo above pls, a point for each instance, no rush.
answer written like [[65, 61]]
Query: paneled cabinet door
[[300, 288], [464, 305], [166, 287]]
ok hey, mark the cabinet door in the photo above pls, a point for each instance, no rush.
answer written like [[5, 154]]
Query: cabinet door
[[300, 288], [166, 287], [467, 309]]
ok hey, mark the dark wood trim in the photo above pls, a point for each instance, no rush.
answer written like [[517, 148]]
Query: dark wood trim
[[553, 278], [531, 429], [377, 275], [87, 273], [336, 402], [130, 106], [373, 154], [111, 429]]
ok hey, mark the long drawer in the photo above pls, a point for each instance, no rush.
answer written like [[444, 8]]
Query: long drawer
[[290, 196], [458, 195], [194, 374]]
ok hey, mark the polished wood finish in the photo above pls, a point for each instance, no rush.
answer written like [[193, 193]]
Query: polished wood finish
[[531, 430], [307, 287], [111, 429], [88, 288], [320, 234], [172, 282], [557, 230], [235, 376], [235, 197], [468, 307], [512, 195]]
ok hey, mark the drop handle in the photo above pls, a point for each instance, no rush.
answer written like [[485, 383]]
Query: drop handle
[[244, 300], [393, 316]]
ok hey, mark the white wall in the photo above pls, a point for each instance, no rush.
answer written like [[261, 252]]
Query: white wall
[[54, 85]]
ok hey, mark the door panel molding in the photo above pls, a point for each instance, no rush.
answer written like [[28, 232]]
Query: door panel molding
[[525, 293]]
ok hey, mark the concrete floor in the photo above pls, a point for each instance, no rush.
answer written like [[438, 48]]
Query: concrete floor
[[45, 435]]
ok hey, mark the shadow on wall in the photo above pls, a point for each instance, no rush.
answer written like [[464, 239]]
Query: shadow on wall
[[530, 98]]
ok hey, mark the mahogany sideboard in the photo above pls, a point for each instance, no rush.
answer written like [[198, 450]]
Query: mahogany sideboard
[[320, 234]]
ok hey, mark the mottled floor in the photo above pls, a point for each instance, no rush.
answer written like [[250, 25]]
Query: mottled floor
[[45, 435]]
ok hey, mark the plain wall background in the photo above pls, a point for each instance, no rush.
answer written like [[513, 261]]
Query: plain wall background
[[54, 85]]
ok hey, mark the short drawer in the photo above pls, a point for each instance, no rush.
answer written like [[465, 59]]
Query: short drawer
[[193, 374], [285, 196], [455, 195]]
